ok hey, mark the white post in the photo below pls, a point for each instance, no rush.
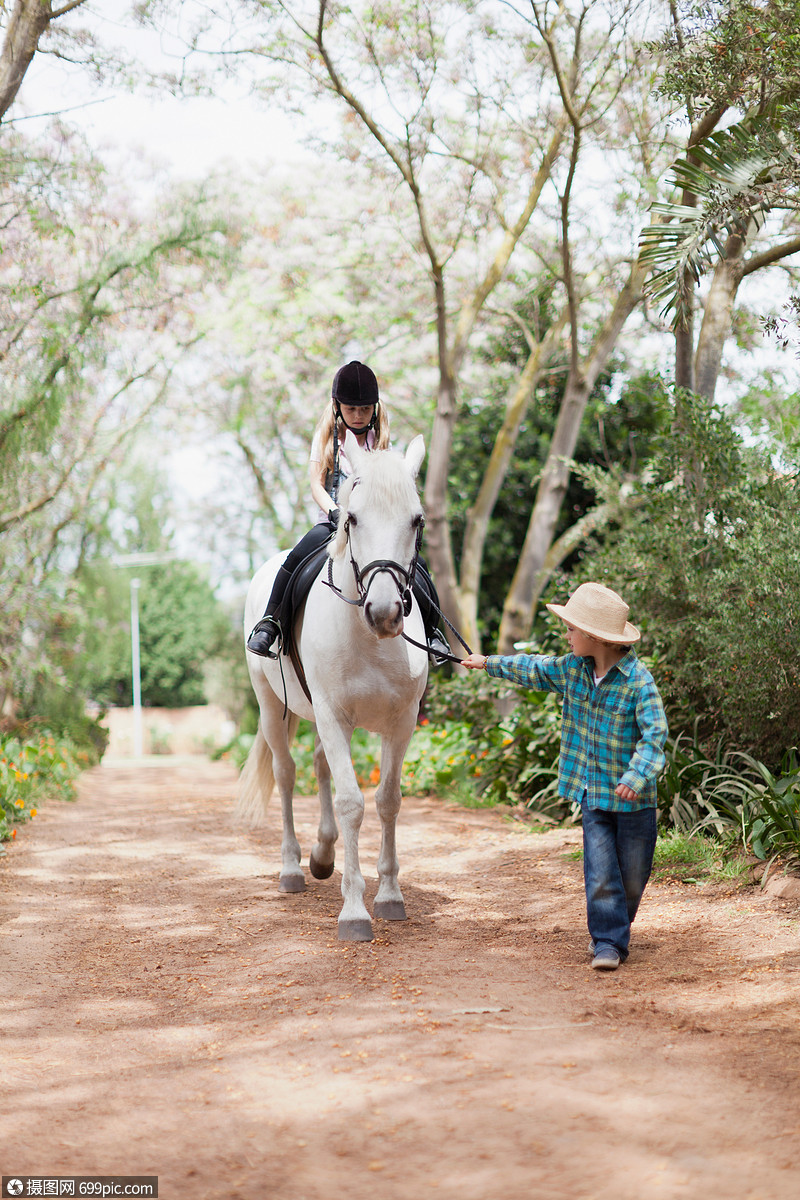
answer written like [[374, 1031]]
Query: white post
[[136, 671]]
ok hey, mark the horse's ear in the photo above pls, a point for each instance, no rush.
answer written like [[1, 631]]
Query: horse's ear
[[355, 453], [415, 454]]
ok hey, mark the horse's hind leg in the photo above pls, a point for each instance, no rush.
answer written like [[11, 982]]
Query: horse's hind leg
[[278, 733], [389, 902], [320, 861]]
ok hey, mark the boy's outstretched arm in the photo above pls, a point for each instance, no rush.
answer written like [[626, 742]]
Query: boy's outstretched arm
[[475, 662]]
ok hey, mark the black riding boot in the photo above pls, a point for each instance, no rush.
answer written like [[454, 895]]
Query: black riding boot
[[428, 602], [268, 629]]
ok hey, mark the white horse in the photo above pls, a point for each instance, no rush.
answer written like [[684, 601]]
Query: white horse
[[359, 672]]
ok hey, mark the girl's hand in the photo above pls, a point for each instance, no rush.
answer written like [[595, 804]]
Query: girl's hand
[[624, 792], [475, 662]]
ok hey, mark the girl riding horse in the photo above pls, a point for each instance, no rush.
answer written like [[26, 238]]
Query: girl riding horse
[[355, 407]]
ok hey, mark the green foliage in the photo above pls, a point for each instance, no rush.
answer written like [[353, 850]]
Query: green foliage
[[695, 859], [732, 795], [710, 565], [181, 627], [614, 431], [768, 812], [443, 761], [734, 56], [733, 53], [737, 175], [34, 767], [501, 743]]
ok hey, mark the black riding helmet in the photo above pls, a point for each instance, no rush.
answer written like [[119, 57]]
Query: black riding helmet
[[355, 385]]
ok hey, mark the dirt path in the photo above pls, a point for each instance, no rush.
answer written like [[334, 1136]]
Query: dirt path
[[167, 1012]]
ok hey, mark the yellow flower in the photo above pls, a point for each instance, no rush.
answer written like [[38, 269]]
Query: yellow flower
[[19, 803]]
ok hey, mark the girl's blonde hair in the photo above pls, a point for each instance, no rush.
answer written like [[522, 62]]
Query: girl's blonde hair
[[325, 431]]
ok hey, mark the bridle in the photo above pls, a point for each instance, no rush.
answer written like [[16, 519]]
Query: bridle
[[403, 577]]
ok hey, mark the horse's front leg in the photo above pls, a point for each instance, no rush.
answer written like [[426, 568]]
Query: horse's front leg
[[389, 900], [354, 920]]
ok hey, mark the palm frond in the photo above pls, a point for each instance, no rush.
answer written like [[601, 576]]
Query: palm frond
[[737, 176]]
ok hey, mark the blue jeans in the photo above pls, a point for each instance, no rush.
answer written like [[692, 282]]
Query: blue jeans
[[618, 852]]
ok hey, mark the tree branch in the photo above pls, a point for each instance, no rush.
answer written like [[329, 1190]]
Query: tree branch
[[767, 257]]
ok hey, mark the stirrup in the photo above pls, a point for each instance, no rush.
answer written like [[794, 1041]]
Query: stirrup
[[437, 648], [268, 625]]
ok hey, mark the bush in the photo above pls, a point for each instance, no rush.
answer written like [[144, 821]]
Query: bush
[[33, 768], [710, 565], [500, 741], [732, 795]]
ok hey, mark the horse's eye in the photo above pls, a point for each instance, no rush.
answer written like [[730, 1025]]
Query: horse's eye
[[418, 521], [352, 518]]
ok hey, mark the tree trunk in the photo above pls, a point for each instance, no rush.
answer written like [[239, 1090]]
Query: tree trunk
[[684, 354], [26, 25], [480, 513], [459, 600], [529, 578], [717, 316]]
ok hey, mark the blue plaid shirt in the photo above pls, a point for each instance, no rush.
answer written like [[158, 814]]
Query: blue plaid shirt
[[612, 732]]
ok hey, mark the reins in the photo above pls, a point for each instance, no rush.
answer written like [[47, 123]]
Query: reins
[[453, 658], [398, 573]]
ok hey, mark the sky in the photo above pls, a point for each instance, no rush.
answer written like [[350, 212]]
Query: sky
[[189, 137]]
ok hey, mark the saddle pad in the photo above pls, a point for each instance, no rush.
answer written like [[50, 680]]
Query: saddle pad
[[296, 594]]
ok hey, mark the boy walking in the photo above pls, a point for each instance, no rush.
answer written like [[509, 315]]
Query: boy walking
[[613, 731]]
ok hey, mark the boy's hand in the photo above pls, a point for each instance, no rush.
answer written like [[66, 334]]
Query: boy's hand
[[624, 792], [475, 662]]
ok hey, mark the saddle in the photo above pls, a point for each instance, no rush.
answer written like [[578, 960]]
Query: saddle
[[292, 602], [299, 586]]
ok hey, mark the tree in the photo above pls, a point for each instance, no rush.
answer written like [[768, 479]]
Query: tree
[[474, 112], [23, 29], [613, 447], [739, 185], [711, 569], [98, 313]]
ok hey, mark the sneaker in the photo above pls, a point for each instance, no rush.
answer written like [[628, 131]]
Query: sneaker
[[605, 959], [264, 633]]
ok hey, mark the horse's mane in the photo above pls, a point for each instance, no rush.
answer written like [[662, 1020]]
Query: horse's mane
[[388, 485]]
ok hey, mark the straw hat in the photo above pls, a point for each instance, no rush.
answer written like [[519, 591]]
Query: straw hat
[[598, 611]]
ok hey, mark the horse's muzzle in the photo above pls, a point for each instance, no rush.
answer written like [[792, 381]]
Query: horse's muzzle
[[385, 620]]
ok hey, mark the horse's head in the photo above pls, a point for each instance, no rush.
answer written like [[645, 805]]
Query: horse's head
[[380, 525]]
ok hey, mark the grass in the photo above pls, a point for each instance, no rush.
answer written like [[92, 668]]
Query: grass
[[686, 859], [697, 860]]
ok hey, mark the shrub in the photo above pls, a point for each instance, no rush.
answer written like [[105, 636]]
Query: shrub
[[33, 768], [710, 564], [503, 742]]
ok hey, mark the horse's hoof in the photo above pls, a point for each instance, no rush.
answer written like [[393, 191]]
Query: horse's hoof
[[355, 930], [292, 883], [389, 910], [319, 870]]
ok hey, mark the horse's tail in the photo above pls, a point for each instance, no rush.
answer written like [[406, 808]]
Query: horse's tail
[[257, 780]]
